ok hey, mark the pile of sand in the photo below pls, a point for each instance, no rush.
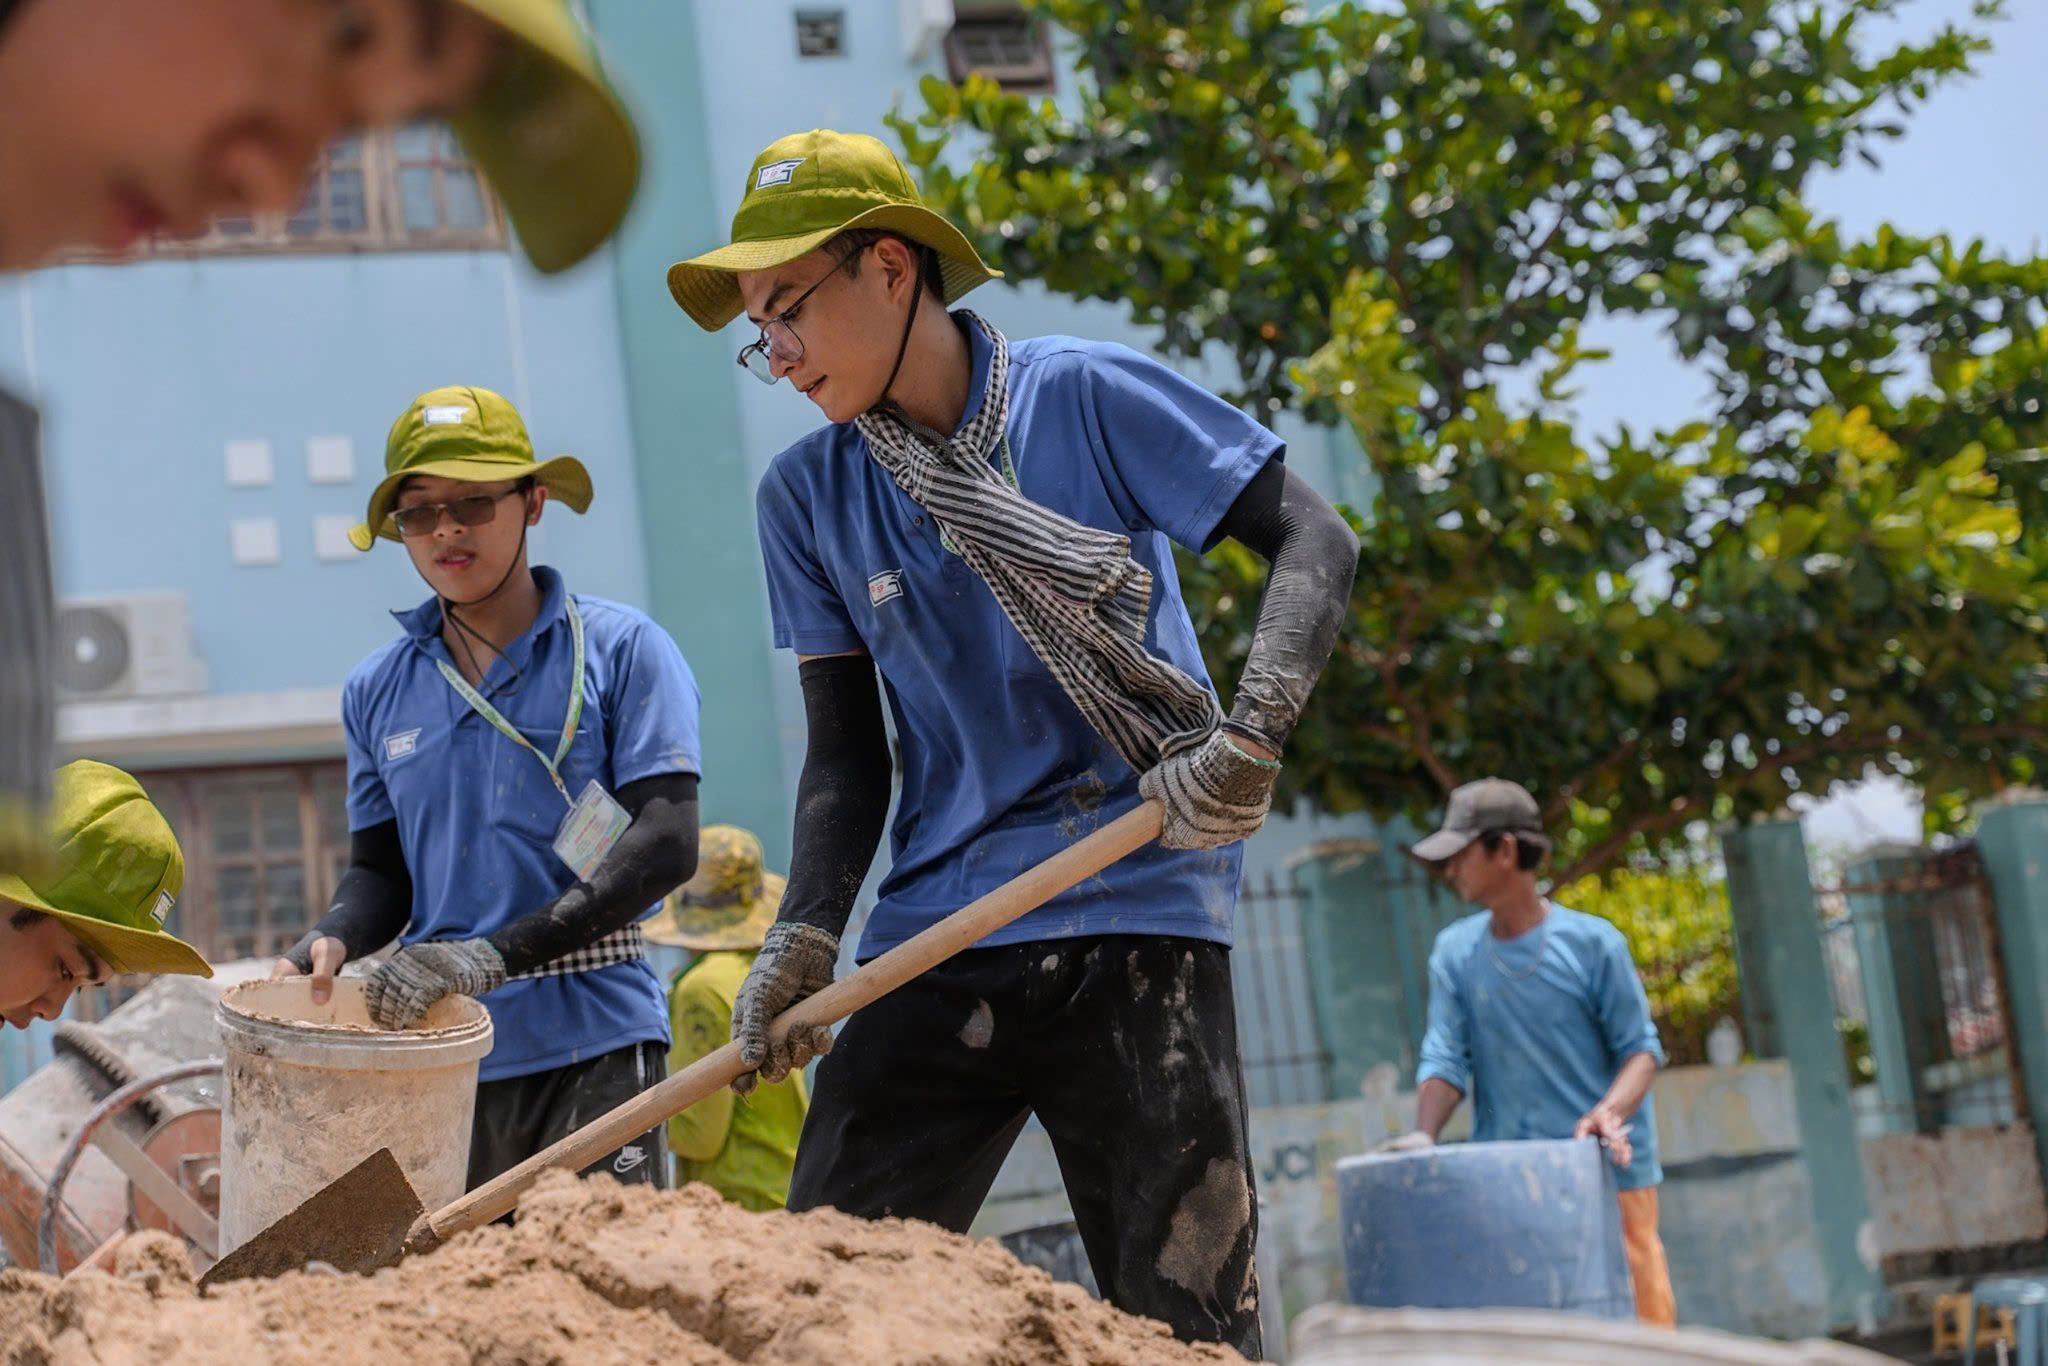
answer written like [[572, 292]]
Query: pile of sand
[[596, 1273]]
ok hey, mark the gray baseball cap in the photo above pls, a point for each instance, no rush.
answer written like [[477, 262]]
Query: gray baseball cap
[[1474, 809]]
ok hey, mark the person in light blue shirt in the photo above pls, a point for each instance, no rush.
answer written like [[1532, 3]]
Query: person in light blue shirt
[[523, 767], [1537, 1013]]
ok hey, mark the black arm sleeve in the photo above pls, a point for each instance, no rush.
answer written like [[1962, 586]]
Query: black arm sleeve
[[372, 902], [655, 856], [842, 799], [1314, 557]]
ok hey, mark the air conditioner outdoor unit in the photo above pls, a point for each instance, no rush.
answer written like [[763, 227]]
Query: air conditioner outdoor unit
[[925, 25], [126, 645]]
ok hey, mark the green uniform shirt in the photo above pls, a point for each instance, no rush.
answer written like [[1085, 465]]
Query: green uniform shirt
[[741, 1146]]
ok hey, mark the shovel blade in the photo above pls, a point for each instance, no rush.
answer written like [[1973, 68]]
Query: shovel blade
[[356, 1223]]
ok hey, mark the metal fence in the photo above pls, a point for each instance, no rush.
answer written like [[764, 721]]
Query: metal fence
[[1285, 1060], [1918, 975]]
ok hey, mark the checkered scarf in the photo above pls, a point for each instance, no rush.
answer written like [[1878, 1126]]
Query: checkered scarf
[[1072, 591], [620, 946]]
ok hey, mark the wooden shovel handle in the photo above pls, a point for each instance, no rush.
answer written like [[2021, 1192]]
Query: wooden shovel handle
[[963, 928]]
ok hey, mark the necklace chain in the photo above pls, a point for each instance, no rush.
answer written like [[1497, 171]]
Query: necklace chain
[[1500, 965]]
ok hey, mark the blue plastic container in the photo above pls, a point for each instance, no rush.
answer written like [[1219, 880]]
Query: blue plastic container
[[1532, 1225]]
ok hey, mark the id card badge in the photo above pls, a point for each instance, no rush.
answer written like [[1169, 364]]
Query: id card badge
[[589, 831]]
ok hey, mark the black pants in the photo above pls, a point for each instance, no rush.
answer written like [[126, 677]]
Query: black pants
[[1125, 1047], [519, 1116]]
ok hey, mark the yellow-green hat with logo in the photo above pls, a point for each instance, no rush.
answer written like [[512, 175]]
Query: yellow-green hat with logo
[[466, 433], [116, 872], [729, 904], [803, 191], [551, 134]]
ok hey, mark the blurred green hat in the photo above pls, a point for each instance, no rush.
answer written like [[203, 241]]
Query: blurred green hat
[[116, 873], [803, 191], [729, 904], [551, 134], [463, 432]]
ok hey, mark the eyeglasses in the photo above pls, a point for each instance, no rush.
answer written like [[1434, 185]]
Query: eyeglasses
[[778, 340], [423, 519]]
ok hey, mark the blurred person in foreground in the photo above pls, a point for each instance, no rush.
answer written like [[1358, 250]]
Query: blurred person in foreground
[[131, 118], [99, 909]]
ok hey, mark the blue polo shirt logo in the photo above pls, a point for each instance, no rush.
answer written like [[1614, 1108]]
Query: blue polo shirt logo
[[886, 586], [399, 745]]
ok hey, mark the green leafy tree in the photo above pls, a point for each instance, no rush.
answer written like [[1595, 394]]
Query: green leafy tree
[[1680, 933], [1402, 218]]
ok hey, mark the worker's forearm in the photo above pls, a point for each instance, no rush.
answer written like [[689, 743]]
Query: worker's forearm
[[842, 797], [1435, 1099], [1631, 1084], [655, 855], [1313, 556], [372, 901]]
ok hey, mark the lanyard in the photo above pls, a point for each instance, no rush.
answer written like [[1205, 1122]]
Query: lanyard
[[508, 730]]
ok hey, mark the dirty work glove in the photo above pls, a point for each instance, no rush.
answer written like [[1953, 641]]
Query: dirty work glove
[[1413, 1141], [405, 988], [1214, 793], [795, 961]]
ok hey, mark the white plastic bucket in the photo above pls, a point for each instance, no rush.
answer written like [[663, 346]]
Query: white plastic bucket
[[313, 1090]]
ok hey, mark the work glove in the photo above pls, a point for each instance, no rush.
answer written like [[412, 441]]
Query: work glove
[[418, 975], [1414, 1141], [795, 961], [1214, 793]]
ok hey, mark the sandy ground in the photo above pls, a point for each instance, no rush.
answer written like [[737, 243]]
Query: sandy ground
[[595, 1273]]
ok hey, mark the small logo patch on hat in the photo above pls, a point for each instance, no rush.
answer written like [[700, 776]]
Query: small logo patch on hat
[[886, 586], [162, 910], [399, 745], [777, 173], [444, 416]]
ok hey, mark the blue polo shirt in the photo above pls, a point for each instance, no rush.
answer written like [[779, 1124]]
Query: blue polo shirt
[[477, 814], [999, 769], [1535, 1028]]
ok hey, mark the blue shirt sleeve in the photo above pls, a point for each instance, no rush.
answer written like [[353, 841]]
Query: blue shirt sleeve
[[368, 802], [1171, 451], [1625, 1020], [1447, 1043], [651, 708], [806, 610]]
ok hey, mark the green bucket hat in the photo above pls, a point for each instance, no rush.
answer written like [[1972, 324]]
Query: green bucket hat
[[116, 873], [551, 134], [802, 192], [729, 904], [463, 432]]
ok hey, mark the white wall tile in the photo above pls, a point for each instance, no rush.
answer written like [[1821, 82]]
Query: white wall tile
[[249, 465], [330, 460], [254, 540]]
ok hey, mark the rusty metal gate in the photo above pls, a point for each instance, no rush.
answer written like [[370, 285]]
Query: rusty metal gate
[[1919, 980]]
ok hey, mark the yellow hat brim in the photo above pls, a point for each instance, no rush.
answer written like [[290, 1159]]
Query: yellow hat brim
[[707, 289], [552, 135], [123, 949], [564, 477]]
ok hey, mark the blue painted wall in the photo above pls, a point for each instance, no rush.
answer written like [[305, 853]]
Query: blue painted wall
[[145, 371]]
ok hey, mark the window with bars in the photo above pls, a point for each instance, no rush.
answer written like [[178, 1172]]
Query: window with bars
[[397, 189], [264, 848], [1002, 42]]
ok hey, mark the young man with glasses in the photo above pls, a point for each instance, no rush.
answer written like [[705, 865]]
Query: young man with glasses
[[128, 118], [990, 526], [522, 790], [1537, 1012]]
